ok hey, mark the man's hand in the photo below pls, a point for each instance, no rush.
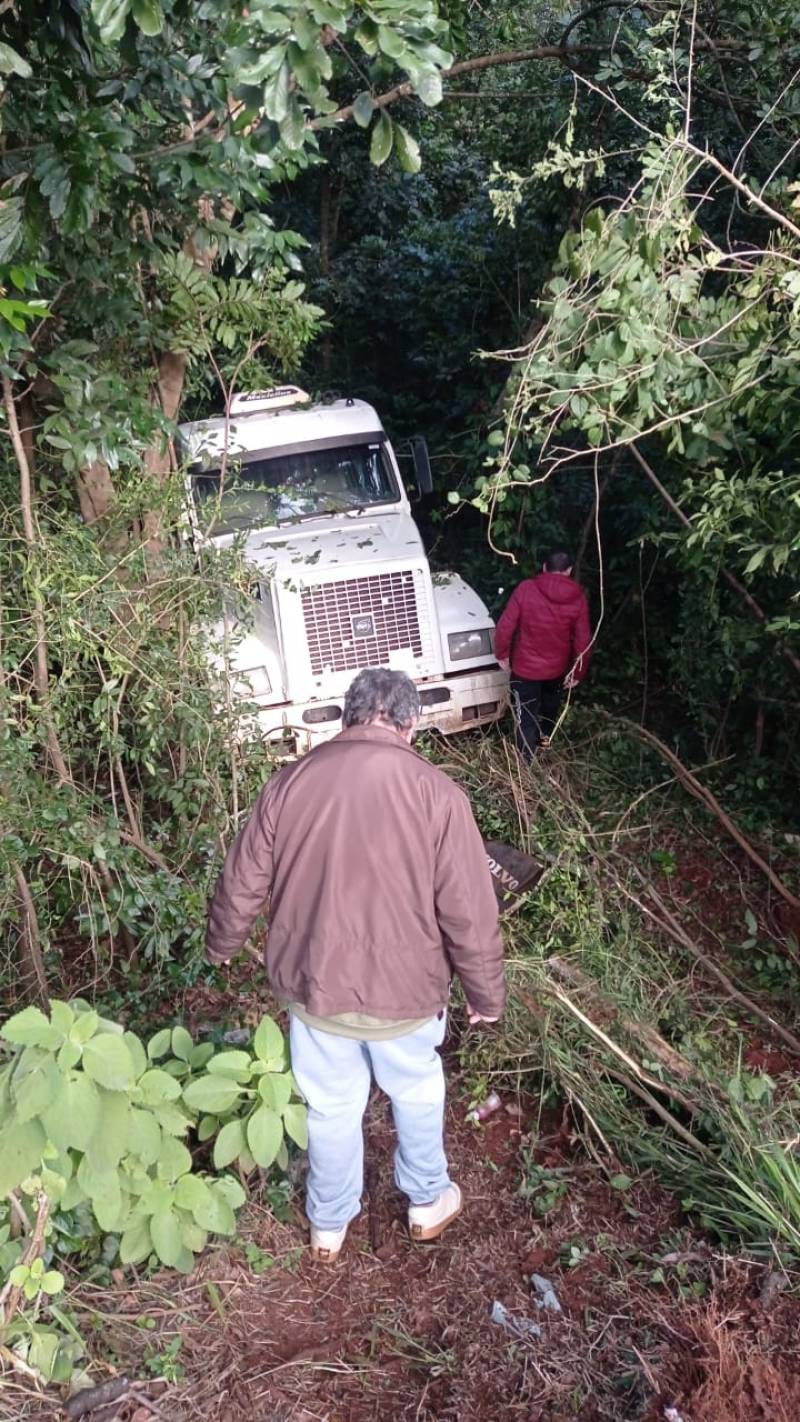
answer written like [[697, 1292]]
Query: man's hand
[[505, 665], [475, 1017], [570, 681]]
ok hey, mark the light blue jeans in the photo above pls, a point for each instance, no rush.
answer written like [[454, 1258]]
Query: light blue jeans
[[334, 1075]]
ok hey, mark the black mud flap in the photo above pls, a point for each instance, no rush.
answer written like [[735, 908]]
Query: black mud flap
[[513, 873]]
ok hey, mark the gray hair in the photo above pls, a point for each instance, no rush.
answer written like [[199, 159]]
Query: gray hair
[[383, 696]]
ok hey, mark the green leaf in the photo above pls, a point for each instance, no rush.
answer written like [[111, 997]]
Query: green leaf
[[144, 1136], [149, 16], [407, 150], [192, 1193], [110, 17], [52, 1282], [620, 1182], [68, 1056], [174, 1159], [165, 1232], [171, 1119], [62, 1017], [363, 109], [156, 1196], [159, 1044], [103, 1189], [138, 1056], [23, 1144], [264, 1135], [268, 1043], [35, 1082], [235, 1065], [107, 1060], [182, 1044], [11, 214], [157, 1086], [71, 1118], [194, 1238], [275, 1089], [201, 1055], [429, 89], [276, 95], [391, 43], [13, 63], [207, 1127], [295, 1119], [228, 1145], [84, 1026], [293, 127], [382, 139], [211, 1094], [262, 66], [30, 1028], [136, 1244], [231, 1190], [214, 1212], [304, 69], [109, 1140]]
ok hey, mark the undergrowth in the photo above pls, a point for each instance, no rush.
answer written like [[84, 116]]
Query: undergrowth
[[619, 1018]]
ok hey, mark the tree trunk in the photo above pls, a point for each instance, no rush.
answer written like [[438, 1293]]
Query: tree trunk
[[96, 493], [159, 459]]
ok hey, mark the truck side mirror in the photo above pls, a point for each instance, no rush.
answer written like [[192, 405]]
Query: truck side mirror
[[422, 465]]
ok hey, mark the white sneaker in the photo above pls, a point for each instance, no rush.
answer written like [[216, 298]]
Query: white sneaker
[[429, 1221], [327, 1243]]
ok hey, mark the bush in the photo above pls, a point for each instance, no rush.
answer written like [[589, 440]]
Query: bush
[[93, 1129]]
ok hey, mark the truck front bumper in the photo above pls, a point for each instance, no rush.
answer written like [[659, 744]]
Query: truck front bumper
[[457, 701]]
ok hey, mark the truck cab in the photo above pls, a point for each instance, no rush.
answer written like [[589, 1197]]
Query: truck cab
[[312, 495]]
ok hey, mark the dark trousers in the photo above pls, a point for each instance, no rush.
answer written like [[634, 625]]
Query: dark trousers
[[536, 706]]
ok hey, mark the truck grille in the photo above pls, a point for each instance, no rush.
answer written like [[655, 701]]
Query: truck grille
[[359, 622]]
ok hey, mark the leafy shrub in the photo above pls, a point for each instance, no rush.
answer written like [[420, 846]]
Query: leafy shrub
[[87, 1112]]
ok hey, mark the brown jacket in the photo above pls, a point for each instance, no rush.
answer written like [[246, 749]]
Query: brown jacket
[[378, 884]]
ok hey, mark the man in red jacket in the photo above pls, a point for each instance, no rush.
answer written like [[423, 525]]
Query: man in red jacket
[[545, 637]]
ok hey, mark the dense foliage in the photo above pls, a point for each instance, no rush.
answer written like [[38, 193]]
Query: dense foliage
[[562, 244]]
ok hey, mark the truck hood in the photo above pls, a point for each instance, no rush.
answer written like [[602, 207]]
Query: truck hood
[[320, 544]]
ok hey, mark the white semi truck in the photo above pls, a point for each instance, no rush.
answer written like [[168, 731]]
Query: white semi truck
[[314, 496]]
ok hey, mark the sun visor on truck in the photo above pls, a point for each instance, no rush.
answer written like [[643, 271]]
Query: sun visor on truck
[[205, 452]]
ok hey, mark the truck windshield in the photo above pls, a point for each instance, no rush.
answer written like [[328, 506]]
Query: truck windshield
[[294, 485]]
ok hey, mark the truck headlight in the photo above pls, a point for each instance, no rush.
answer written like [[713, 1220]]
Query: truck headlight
[[254, 682], [467, 646]]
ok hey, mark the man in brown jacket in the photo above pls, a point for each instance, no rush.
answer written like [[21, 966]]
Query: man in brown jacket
[[378, 890]]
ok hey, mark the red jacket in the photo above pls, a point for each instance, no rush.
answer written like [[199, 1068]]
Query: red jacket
[[545, 629]]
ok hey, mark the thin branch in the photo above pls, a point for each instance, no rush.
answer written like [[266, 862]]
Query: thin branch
[[12, 1293], [464, 66], [31, 936], [41, 673], [765, 207]]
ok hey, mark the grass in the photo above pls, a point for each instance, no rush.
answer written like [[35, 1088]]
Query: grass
[[608, 1014]]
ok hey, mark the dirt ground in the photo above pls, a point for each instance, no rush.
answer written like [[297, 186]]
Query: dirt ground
[[654, 1323]]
